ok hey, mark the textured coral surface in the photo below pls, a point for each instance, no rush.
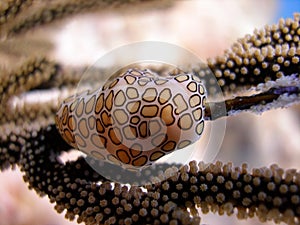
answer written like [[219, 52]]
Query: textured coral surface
[[267, 60]]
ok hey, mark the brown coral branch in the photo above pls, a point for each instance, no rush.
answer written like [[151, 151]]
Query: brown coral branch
[[268, 54], [45, 12], [25, 89], [73, 186], [9, 9], [30, 75], [245, 103], [269, 193]]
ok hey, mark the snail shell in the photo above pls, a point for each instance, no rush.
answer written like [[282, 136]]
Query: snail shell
[[136, 118]]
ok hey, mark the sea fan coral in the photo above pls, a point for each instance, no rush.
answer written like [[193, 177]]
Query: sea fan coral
[[267, 60]]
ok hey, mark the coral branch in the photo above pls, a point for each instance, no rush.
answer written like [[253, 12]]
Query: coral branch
[[269, 57], [9, 9], [41, 13], [268, 54], [30, 75], [256, 103], [269, 193]]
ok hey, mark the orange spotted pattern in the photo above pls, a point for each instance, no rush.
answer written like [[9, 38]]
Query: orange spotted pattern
[[136, 118]]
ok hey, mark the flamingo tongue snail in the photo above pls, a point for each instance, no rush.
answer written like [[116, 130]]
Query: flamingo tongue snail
[[135, 118]]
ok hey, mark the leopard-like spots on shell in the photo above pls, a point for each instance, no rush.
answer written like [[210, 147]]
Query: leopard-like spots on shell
[[135, 118]]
